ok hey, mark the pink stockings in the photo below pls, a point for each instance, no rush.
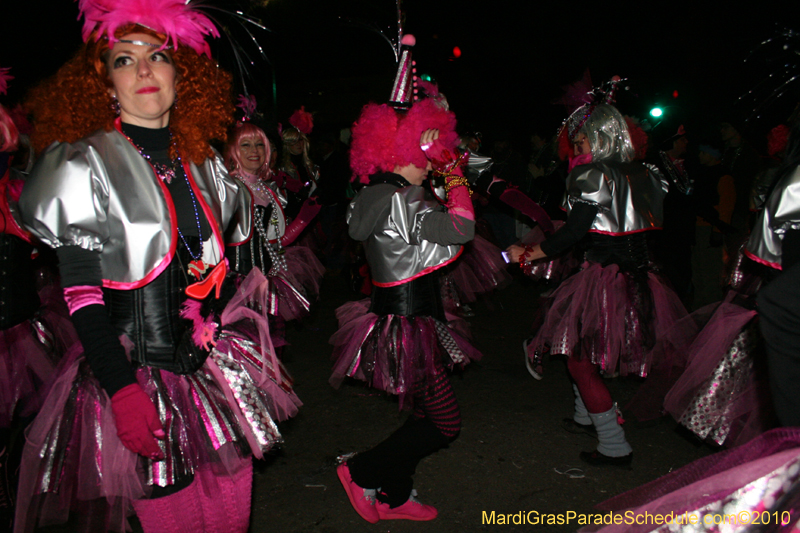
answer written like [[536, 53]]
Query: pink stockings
[[439, 404], [211, 504], [590, 384]]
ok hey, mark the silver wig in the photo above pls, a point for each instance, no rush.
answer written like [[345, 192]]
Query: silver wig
[[607, 132]]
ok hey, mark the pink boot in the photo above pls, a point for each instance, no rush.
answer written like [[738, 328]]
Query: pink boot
[[226, 499], [181, 512]]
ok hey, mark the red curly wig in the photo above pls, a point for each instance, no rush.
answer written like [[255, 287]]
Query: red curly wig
[[75, 102], [9, 135], [384, 138]]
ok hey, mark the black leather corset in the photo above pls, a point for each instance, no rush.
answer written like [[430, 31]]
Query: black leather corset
[[149, 316], [631, 252], [419, 297], [18, 297], [245, 257]]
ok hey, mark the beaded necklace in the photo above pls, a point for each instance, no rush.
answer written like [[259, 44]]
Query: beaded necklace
[[166, 173]]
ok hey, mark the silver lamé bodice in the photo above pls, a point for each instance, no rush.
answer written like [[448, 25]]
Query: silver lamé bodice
[[101, 194], [629, 196], [781, 212], [389, 220]]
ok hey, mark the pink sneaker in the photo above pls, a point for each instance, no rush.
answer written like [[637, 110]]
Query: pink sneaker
[[411, 510], [362, 500]]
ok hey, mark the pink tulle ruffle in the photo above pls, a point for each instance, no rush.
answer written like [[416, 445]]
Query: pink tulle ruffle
[[396, 353], [480, 269], [552, 269], [718, 395], [29, 353], [596, 305], [305, 270], [756, 476]]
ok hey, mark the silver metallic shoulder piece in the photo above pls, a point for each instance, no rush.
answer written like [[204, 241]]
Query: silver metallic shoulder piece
[[101, 195], [395, 251], [630, 196], [272, 184], [780, 213], [229, 200], [589, 184], [477, 164]]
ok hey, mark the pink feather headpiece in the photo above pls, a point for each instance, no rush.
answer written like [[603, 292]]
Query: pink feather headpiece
[[302, 120], [248, 106], [5, 77], [176, 19]]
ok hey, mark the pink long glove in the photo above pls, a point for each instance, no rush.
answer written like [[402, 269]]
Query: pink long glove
[[304, 217], [515, 198], [459, 203], [458, 199], [137, 421]]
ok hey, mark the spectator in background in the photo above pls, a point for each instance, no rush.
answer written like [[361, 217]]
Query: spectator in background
[[742, 162], [715, 196]]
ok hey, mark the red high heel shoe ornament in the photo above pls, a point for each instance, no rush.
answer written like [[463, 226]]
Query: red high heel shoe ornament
[[201, 289]]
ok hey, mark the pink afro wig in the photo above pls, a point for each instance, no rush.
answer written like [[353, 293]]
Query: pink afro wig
[[384, 138]]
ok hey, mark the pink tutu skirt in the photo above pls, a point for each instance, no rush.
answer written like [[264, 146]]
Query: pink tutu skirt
[[719, 396], [480, 269], [757, 483], [293, 290], [550, 269], [393, 353], [29, 353], [213, 418], [603, 309]]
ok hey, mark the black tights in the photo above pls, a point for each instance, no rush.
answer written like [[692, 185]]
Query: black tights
[[435, 422]]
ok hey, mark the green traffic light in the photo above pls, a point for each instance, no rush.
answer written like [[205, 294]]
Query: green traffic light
[[656, 112]]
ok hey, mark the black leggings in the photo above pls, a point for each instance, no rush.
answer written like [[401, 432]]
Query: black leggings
[[435, 422]]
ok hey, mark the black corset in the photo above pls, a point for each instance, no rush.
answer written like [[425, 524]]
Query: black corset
[[18, 297], [630, 252], [149, 316], [245, 257], [419, 297]]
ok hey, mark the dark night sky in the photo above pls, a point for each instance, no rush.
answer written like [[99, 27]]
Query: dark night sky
[[516, 54]]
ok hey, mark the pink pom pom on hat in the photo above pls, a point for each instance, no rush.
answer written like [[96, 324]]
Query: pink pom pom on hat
[[177, 19]]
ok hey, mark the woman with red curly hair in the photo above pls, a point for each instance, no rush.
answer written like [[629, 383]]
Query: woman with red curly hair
[[172, 393], [400, 341]]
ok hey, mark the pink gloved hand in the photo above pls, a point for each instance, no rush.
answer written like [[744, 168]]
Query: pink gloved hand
[[137, 421], [458, 193], [440, 157], [307, 213], [458, 198]]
